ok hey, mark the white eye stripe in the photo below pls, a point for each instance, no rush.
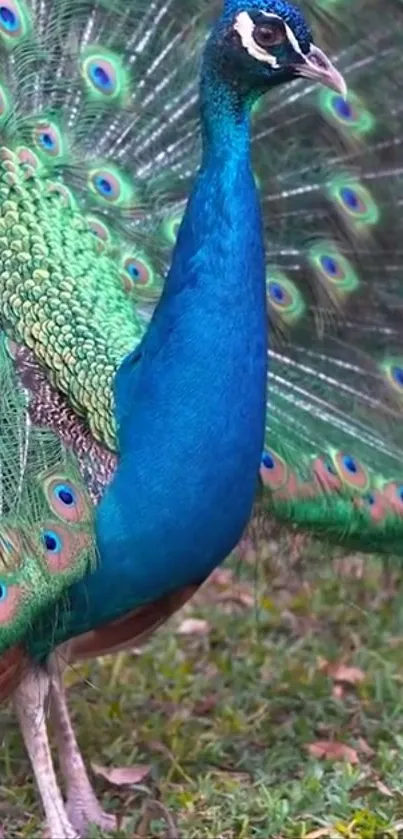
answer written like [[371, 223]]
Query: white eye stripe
[[245, 26]]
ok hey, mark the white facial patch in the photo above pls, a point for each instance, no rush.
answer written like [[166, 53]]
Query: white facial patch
[[245, 26]]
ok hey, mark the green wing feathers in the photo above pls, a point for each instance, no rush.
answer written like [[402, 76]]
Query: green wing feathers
[[46, 531]]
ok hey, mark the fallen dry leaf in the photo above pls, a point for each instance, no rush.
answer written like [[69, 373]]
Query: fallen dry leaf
[[317, 834], [364, 747], [222, 577], [383, 789], [122, 776], [239, 595], [193, 626], [206, 705], [331, 750], [346, 675]]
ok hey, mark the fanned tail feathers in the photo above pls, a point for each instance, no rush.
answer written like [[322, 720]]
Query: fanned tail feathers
[[334, 457], [98, 129]]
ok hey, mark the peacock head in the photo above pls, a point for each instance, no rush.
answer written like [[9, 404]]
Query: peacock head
[[261, 43]]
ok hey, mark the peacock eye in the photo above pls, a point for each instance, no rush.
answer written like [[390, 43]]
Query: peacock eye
[[268, 36]]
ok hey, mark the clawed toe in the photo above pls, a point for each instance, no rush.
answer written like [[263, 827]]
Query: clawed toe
[[82, 816]]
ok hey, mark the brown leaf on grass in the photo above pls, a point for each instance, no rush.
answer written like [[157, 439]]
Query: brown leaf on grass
[[222, 577], [332, 750], [365, 789], [343, 676], [239, 595], [346, 675], [193, 626], [121, 776], [383, 789], [318, 834], [364, 748], [206, 705]]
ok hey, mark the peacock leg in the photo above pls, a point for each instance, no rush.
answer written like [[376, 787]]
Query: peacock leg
[[29, 699], [82, 807]]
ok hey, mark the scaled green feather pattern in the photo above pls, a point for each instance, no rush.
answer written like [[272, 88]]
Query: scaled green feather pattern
[[59, 296], [45, 543]]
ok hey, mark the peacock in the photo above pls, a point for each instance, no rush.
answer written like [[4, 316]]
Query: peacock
[[142, 410]]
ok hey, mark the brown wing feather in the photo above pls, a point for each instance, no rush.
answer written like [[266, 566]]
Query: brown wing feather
[[13, 663], [131, 629]]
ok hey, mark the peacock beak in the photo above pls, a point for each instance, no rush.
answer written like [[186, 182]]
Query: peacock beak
[[316, 66]]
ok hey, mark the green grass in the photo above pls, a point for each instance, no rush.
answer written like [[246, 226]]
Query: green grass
[[225, 718]]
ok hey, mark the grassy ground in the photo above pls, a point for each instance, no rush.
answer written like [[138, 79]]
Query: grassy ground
[[291, 659]]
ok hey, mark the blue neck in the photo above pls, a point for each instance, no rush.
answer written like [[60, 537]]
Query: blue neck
[[191, 400]]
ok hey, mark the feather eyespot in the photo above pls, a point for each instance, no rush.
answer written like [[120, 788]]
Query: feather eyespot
[[349, 114], [351, 472], [393, 493], [104, 74], [52, 542], [332, 269], [393, 370], [99, 229], [107, 186], [48, 141], [354, 203], [375, 504], [342, 108], [65, 494], [139, 277], [10, 598], [273, 470], [14, 21], [65, 500], [110, 186], [63, 547], [397, 374], [57, 558], [137, 271], [284, 298]]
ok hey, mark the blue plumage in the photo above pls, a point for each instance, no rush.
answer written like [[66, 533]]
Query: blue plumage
[[191, 399]]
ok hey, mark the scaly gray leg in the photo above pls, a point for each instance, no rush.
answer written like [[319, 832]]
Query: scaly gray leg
[[29, 699], [82, 807]]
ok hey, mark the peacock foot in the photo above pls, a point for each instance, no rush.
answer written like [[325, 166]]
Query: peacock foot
[[60, 829], [83, 810]]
